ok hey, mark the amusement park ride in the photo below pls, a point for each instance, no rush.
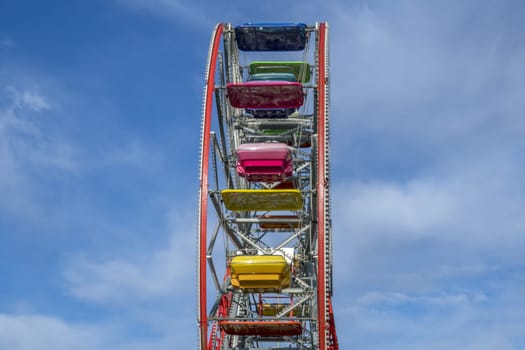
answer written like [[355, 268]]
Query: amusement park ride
[[264, 229]]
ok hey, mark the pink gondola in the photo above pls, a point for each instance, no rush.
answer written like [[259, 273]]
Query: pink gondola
[[268, 162]]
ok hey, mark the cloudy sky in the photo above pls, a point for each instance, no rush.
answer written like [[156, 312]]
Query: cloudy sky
[[100, 105]]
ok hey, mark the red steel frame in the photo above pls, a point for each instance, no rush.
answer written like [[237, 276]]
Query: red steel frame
[[324, 303], [203, 195], [321, 194]]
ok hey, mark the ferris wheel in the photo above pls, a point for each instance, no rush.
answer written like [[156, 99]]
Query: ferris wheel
[[264, 276]]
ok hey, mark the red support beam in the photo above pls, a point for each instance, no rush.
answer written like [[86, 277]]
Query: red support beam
[[321, 187], [203, 197]]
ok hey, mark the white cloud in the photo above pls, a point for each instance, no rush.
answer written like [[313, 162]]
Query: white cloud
[[40, 332], [194, 13], [150, 287], [159, 274], [30, 99], [428, 200], [431, 262], [411, 79], [24, 137], [379, 298], [28, 153], [447, 320], [139, 276], [428, 128], [476, 203], [43, 332], [414, 209], [458, 226]]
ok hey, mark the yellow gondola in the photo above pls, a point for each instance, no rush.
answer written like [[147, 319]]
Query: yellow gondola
[[261, 273], [252, 200]]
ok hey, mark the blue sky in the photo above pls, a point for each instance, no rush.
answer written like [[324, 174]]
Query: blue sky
[[100, 105]]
